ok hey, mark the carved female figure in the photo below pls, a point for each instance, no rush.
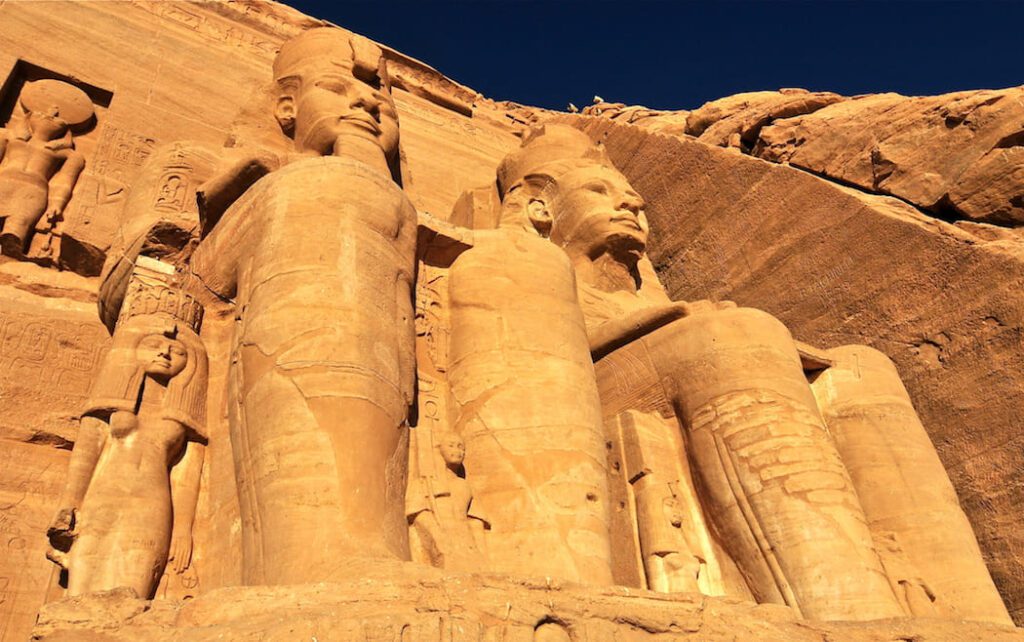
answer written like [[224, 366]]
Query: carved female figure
[[446, 528], [40, 165], [133, 480]]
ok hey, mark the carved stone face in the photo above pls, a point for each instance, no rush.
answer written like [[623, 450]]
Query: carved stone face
[[162, 356], [595, 211], [47, 125], [674, 512], [329, 102], [453, 449]]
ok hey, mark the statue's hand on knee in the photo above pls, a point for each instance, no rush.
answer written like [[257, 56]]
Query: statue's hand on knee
[[61, 534]]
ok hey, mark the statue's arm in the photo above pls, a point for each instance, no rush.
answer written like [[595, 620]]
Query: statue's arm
[[185, 479], [63, 183], [3, 143], [217, 194], [226, 235], [92, 436], [616, 333]]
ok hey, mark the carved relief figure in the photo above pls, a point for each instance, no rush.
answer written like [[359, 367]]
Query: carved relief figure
[[133, 480], [772, 479], [318, 257], [38, 162], [447, 528], [670, 562], [160, 217]]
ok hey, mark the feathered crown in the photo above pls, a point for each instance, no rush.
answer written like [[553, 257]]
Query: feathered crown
[[151, 291]]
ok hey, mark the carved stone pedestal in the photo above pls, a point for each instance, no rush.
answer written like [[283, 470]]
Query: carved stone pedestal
[[403, 602]]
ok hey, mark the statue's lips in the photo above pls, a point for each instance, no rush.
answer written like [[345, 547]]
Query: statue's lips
[[628, 220], [366, 123]]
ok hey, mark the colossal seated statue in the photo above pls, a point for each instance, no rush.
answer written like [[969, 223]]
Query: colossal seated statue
[[778, 496], [318, 259]]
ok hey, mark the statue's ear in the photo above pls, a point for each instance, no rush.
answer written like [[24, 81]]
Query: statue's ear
[[539, 215], [536, 193], [285, 110]]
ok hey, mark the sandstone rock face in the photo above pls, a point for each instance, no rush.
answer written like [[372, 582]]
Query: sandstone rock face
[[955, 155], [281, 307], [737, 120]]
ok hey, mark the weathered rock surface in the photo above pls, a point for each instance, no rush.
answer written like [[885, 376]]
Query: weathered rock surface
[[736, 121], [839, 266], [418, 603], [956, 155]]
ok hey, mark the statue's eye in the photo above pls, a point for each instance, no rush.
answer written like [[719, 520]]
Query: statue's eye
[[334, 86], [597, 188]]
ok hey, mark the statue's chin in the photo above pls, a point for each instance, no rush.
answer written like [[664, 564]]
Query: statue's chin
[[626, 247]]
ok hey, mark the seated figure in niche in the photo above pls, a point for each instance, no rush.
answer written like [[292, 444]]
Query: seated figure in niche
[[771, 476], [38, 162], [446, 527], [133, 480]]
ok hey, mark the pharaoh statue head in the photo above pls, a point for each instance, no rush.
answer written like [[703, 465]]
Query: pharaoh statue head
[[53, 108], [452, 449], [561, 185], [333, 96]]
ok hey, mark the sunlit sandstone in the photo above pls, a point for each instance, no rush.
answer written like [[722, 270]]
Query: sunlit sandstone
[[389, 362]]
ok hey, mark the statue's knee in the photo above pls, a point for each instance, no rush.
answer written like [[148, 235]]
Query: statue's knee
[[755, 326], [861, 356]]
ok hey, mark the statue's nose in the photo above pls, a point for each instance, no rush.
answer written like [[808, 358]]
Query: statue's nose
[[367, 102]]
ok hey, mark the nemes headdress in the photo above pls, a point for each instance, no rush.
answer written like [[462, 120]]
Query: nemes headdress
[[544, 146], [329, 45]]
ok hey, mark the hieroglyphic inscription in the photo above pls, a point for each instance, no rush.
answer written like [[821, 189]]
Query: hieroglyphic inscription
[[46, 366], [211, 26]]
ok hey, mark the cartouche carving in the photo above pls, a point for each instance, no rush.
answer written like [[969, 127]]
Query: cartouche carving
[[38, 162], [133, 481]]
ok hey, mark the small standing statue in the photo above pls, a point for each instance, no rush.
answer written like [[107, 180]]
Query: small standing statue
[[133, 480], [446, 529], [38, 162], [670, 563]]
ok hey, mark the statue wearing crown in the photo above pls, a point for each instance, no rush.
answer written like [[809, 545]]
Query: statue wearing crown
[[133, 480]]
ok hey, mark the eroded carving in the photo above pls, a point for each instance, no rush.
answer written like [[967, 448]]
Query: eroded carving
[[38, 162], [773, 480]]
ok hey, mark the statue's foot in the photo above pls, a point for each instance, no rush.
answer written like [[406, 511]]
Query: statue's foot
[[12, 245]]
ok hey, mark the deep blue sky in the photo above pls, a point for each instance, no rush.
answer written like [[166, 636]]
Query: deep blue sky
[[681, 54]]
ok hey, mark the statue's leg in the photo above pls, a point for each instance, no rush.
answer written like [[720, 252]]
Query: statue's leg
[[779, 495], [125, 531], [23, 201], [902, 484], [524, 384], [325, 376]]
